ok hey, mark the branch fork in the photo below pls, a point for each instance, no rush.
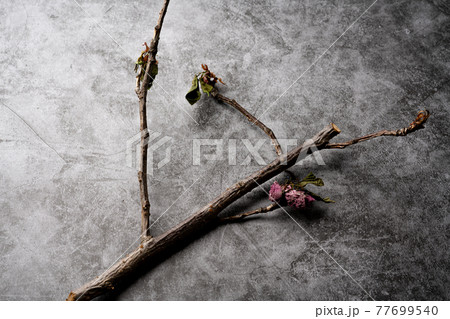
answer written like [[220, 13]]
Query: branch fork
[[206, 218]]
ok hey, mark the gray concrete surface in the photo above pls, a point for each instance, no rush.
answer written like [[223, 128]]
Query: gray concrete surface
[[70, 205]]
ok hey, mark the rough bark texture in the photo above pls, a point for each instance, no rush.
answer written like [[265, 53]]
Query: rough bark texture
[[415, 125], [141, 91], [207, 217], [201, 220], [239, 217], [250, 117]]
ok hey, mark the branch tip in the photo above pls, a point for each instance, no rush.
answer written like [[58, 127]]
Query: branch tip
[[335, 128]]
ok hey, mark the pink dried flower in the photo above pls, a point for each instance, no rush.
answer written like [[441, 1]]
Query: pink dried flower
[[296, 198], [276, 192]]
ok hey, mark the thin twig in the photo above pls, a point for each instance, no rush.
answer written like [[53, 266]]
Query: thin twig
[[141, 91], [239, 217], [417, 124], [215, 93]]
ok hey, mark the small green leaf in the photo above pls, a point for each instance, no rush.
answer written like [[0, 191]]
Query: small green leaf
[[206, 88], [311, 179], [327, 200], [153, 70], [153, 73], [322, 199], [194, 92]]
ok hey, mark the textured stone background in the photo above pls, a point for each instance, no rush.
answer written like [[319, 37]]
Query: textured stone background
[[70, 205]]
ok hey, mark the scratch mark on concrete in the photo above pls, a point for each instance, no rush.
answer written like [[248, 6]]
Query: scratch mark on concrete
[[29, 126], [221, 238]]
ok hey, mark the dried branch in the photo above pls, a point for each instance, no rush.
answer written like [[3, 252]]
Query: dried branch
[[417, 124], [204, 219], [239, 217], [141, 91], [207, 217], [215, 93]]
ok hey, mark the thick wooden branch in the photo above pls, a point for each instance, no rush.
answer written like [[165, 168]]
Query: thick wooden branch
[[239, 217], [203, 219], [207, 217], [141, 91], [215, 93]]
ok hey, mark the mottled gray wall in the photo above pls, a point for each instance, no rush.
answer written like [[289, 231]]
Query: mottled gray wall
[[70, 205]]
